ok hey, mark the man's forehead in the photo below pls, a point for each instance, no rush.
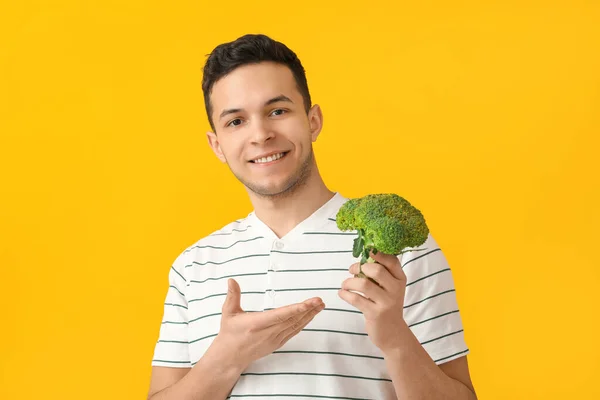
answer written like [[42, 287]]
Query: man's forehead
[[254, 85]]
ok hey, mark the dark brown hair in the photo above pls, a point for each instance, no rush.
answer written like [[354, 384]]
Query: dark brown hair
[[250, 49]]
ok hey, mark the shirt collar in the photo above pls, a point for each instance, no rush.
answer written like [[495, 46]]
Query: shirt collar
[[315, 221]]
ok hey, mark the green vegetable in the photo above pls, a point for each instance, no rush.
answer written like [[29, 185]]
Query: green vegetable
[[385, 223]]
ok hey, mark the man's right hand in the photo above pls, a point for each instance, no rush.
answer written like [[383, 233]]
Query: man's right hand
[[245, 337]]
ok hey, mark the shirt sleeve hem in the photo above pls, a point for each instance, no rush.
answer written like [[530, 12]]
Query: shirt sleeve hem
[[171, 364], [450, 354]]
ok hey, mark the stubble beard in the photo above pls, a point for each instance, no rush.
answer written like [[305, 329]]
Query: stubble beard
[[298, 179]]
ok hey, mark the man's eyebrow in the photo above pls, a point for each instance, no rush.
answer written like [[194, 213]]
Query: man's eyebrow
[[278, 99], [267, 103]]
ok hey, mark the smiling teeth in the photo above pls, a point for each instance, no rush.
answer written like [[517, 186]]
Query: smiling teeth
[[268, 159]]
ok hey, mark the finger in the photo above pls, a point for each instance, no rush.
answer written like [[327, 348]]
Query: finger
[[391, 263], [381, 275], [232, 300], [283, 314], [300, 324], [355, 269], [365, 286], [366, 306]]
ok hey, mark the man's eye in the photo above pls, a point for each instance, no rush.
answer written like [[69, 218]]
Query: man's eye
[[279, 109], [232, 122]]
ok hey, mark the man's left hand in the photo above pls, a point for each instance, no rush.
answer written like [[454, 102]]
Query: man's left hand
[[381, 305]]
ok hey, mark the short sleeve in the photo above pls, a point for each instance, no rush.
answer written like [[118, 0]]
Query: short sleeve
[[430, 305], [171, 349]]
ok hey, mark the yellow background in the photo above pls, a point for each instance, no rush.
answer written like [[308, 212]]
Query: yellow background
[[485, 116]]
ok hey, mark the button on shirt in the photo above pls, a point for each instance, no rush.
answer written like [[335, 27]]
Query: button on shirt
[[332, 356]]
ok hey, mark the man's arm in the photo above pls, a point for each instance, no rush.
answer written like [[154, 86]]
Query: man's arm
[[211, 378], [243, 338], [414, 373], [416, 376]]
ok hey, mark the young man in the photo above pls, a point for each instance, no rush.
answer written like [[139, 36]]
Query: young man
[[267, 307]]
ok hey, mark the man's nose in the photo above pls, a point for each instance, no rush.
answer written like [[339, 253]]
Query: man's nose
[[262, 131]]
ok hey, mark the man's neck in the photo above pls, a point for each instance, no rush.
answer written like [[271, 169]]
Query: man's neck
[[283, 213]]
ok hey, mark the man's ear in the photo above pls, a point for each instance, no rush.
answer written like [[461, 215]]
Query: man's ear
[[315, 120], [213, 141]]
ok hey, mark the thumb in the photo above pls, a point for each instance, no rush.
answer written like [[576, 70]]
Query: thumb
[[232, 301]]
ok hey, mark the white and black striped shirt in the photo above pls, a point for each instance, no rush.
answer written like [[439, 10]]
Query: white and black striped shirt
[[332, 358]]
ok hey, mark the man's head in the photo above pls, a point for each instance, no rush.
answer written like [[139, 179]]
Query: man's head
[[258, 104]]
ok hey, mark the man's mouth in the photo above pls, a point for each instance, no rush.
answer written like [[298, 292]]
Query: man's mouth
[[268, 159]]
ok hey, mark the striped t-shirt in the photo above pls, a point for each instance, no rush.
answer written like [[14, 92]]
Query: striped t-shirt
[[332, 357]]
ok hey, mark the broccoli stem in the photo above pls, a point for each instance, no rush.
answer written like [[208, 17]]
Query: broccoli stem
[[364, 246]]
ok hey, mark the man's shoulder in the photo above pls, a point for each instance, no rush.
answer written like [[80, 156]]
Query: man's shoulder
[[225, 234], [239, 225]]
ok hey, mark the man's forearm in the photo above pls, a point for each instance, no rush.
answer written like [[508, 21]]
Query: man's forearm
[[212, 378], [416, 376]]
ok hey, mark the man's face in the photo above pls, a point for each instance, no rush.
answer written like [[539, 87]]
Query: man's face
[[262, 130]]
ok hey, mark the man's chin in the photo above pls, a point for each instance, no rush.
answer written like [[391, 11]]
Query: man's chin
[[269, 191], [273, 189], [281, 187]]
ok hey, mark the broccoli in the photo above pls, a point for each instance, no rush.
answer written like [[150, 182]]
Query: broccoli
[[385, 223]]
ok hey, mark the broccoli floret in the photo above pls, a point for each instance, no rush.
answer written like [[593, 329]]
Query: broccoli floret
[[385, 223]]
